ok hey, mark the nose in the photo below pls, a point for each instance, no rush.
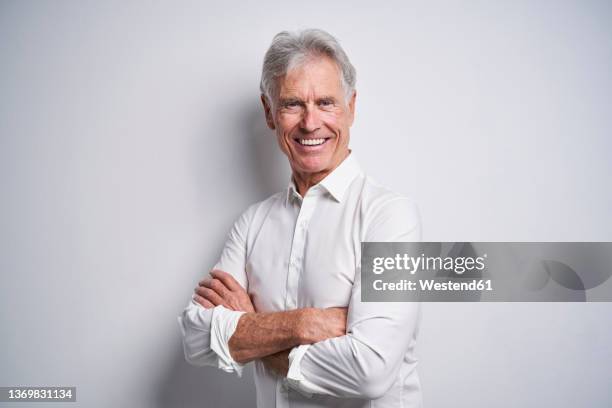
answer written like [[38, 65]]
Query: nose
[[311, 121]]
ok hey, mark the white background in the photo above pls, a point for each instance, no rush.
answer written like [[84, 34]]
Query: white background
[[132, 136]]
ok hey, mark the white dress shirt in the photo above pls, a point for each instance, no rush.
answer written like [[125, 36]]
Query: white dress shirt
[[293, 252]]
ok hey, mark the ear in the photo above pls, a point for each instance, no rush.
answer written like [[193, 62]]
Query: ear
[[268, 112], [351, 106]]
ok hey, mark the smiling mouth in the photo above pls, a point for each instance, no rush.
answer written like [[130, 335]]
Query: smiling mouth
[[312, 142]]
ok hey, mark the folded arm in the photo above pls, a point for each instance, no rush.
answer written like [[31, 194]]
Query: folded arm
[[221, 328], [262, 334], [366, 361], [239, 335], [362, 363]]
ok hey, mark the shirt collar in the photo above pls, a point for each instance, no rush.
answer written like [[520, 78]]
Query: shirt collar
[[336, 182]]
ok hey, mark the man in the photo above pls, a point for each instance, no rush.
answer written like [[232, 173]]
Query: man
[[286, 291]]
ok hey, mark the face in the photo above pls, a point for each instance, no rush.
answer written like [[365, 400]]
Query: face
[[311, 117]]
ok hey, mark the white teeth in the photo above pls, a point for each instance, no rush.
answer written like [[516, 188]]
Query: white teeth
[[311, 142]]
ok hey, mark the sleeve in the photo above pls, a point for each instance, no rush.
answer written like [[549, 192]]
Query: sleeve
[[365, 362], [206, 332]]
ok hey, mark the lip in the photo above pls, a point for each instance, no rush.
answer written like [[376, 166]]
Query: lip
[[310, 149]]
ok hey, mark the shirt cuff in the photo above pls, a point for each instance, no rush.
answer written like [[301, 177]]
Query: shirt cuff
[[222, 327], [295, 379]]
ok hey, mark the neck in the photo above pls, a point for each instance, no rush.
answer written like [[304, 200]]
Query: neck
[[303, 181]]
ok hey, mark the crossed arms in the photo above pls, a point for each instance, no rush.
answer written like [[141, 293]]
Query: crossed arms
[[363, 363], [343, 352], [269, 336]]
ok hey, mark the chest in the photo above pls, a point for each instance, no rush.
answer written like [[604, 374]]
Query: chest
[[305, 256]]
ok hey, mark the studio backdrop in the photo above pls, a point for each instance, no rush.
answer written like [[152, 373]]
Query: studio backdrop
[[132, 136]]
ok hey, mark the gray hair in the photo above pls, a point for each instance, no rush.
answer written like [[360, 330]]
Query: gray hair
[[290, 49]]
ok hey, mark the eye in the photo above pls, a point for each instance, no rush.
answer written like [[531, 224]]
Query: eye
[[291, 105], [326, 102]]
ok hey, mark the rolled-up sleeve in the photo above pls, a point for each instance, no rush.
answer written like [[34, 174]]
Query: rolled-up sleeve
[[365, 362], [206, 332]]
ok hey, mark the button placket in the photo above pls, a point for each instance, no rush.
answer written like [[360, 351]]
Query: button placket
[[297, 252]]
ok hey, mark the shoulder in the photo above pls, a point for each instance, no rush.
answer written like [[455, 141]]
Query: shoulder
[[377, 199], [388, 215], [261, 208]]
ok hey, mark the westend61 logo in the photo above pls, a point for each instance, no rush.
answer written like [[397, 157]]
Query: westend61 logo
[[412, 265]]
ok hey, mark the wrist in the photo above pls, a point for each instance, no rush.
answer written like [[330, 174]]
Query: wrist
[[301, 332]]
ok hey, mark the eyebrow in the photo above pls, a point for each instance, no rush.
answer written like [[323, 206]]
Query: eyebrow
[[326, 99], [288, 100]]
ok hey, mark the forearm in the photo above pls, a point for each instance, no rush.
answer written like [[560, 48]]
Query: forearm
[[278, 362], [365, 362], [346, 367], [261, 334]]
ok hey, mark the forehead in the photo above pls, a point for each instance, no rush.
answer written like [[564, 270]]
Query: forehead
[[316, 75]]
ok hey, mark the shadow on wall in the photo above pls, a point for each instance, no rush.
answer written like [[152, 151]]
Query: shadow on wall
[[247, 165], [268, 168], [256, 169]]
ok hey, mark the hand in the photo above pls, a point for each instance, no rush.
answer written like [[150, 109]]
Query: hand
[[223, 289], [278, 362], [321, 324]]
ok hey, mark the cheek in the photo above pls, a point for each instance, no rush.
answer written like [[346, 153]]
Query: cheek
[[288, 120], [283, 139], [335, 121], [339, 131], [285, 131]]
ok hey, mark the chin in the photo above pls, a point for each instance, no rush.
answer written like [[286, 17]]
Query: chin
[[311, 169]]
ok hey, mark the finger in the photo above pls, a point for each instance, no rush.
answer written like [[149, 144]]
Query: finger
[[211, 296], [227, 279], [217, 286], [203, 301]]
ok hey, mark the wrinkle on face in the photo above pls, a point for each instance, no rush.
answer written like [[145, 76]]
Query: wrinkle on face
[[310, 104]]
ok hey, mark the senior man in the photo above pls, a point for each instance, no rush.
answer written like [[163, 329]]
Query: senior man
[[286, 291]]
